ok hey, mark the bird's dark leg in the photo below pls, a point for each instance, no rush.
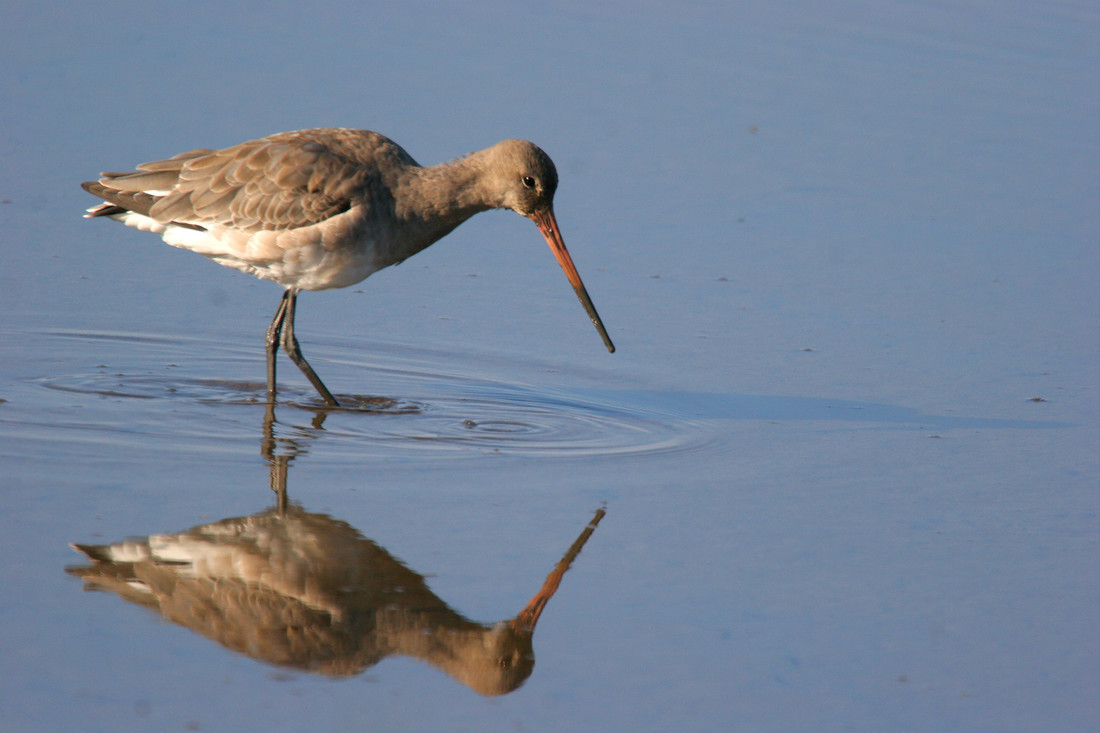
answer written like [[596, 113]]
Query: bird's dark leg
[[272, 343], [290, 346]]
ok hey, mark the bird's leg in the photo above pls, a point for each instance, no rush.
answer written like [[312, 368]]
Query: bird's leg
[[290, 346], [272, 343]]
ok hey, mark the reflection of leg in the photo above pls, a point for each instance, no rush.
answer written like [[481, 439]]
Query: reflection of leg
[[290, 346], [279, 466], [276, 463], [267, 441], [529, 616], [272, 345]]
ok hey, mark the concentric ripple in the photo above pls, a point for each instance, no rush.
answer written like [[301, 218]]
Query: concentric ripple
[[443, 418], [515, 420], [424, 410]]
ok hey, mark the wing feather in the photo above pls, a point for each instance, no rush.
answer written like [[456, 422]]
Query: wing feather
[[281, 182]]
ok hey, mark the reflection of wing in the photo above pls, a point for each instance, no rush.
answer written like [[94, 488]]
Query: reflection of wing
[[248, 619], [295, 591]]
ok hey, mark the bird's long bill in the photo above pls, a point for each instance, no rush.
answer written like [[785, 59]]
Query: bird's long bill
[[548, 225]]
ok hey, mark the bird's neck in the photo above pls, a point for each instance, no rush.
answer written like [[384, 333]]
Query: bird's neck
[[450, 193]]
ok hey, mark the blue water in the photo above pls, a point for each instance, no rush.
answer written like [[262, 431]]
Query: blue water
[[848, 447]]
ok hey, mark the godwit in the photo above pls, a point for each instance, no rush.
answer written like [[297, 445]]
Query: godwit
[[326, 208]]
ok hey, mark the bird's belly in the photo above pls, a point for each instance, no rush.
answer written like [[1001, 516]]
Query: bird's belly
[[306, 265], [322, 270], [334, 254]]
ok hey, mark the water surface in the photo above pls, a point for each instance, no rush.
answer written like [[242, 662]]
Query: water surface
[[844, 461]]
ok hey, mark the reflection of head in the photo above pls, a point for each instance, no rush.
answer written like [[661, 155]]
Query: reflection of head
[[504, 662]]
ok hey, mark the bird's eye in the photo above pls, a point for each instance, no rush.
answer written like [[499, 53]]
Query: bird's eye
[[528, 182]]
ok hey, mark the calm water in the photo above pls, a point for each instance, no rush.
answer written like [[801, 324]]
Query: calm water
[[841, 474]]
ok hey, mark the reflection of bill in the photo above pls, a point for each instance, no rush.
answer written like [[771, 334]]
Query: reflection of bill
[[304, 590]]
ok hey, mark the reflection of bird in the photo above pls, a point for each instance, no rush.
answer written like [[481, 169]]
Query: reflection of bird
[[307, 591], [320, 209]]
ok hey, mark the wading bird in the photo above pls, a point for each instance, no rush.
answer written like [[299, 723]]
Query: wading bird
[[326, 208]]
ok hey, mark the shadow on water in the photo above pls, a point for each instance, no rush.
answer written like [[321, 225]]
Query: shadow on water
[[729, 406], [305, 590]]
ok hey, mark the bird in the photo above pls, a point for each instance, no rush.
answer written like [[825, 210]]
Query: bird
[[326, 208]]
